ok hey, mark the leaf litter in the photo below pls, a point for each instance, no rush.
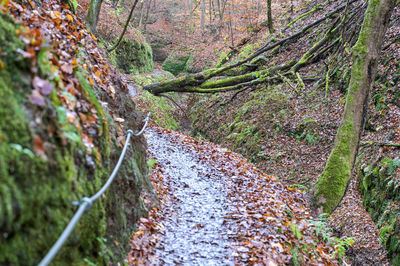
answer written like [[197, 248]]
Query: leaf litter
[[263, 222]]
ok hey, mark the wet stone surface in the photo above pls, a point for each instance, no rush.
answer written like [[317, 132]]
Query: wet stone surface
[[195, 231]]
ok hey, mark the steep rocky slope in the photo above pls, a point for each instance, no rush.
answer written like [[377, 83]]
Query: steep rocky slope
[[64, 112]]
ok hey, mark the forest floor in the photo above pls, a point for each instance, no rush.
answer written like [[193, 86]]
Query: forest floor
[[218, 209]]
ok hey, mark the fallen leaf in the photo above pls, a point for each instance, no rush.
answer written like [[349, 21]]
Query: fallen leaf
[[38, 146], [42, 85], [36, 98], [119, 119], [67, 68], [54, 14], [69, 17]]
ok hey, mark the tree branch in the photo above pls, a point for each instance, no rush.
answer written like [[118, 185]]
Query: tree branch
[[125, 27]]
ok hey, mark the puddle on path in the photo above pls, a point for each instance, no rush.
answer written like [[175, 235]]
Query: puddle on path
[[195, 232]]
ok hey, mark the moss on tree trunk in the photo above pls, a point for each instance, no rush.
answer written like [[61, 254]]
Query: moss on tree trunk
[[333, 181], [93, 13]]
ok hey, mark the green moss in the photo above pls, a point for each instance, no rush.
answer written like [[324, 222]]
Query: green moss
[[332, 183], [234, 80], [382, 200], [161, 110], [371, 12], [36, 191], [176, 64], [147, 79], [133, 57]]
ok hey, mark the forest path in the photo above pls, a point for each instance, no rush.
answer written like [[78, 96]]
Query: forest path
[[195, 232], [218, 209]]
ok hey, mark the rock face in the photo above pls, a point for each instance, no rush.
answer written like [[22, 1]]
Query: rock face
[[45, 164], [380, 187], [133, 57]]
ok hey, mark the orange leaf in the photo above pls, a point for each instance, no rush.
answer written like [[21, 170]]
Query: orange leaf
[[83, 117], [38, 146], [98, 156], [69, 17], [54, 14]]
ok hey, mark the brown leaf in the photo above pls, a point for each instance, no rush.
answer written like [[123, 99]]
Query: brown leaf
[[42, 85], [67, 68], [36, 98], [38, 146]]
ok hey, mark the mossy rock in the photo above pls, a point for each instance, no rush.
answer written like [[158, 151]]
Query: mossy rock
[[37, 187], [381, 197], [133, 57], [176, 64]]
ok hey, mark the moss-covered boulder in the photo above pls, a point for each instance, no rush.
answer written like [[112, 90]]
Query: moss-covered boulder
[[176, 64], [380, 187], [134, 56], [47, 162]]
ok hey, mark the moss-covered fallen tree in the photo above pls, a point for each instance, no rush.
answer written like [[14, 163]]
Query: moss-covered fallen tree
[[342, 29], [253, 69]]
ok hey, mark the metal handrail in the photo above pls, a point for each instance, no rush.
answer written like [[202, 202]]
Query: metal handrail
[[86, 202]]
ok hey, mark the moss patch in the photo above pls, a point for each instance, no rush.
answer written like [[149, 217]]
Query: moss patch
[[332, 183], [133, 57], [176, 64], [37, 188], [162, 109], [381, 197]]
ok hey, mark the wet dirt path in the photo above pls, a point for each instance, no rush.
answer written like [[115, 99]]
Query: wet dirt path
[[194, 228], [218, 209]]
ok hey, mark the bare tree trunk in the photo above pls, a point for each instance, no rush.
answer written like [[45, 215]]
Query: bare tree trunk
[[269, 19], [231, 26], [190, 14], [219, 10], [203, 14], [210, 11], [331, 185], [93, 13], [147, 14], [141, 14]]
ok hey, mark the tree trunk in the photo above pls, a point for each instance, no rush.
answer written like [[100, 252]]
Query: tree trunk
[[333, 181], [93, 13], [203, 14], [147, 14], [141, 12], [269, 19]]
